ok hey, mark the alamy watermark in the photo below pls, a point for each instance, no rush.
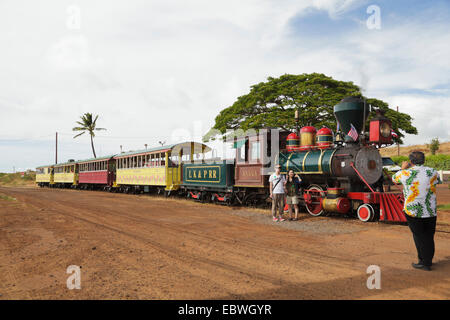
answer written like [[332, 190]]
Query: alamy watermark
[[74, 280], [73, 21], [374, 280], [373, 22]]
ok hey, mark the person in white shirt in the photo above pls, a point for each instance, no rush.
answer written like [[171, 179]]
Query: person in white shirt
[[419, 188], [277, 192]]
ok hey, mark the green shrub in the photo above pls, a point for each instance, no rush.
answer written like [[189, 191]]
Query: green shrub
[[399, 159], [434, 146], [438, 161]]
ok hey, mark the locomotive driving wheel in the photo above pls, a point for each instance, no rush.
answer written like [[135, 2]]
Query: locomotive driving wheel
[[313, 196]]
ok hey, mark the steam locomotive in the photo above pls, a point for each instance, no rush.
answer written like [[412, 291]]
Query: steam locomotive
[[341, 173]]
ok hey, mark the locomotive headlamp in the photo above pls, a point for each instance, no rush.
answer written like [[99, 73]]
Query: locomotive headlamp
[[380, 130], [385, 129]]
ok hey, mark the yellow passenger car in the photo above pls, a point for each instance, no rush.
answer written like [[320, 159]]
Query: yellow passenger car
[[157, 169], [44, 175], [65, 174]]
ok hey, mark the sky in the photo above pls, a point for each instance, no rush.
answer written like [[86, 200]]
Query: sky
[[162, 70]]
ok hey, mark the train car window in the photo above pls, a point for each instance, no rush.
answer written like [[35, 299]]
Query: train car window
[[256, 150], [163, 159], [241, 154]]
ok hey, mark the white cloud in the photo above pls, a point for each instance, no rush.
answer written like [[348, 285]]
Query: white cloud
[[149, 68]]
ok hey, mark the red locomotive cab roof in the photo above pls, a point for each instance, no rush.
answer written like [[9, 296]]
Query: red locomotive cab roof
[[308, 129], [325, 131]]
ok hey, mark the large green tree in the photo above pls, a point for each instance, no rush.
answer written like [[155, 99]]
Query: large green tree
[[272, 104], [88, 124]]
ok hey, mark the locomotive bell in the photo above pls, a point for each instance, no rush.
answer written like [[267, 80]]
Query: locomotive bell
[[350, 111]]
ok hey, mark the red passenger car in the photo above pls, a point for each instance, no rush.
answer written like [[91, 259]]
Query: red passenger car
[[97, 173]]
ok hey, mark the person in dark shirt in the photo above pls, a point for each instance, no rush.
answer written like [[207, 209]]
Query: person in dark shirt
[[292, 186]]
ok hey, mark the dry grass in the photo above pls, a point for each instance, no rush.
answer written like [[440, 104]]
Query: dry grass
[[406, 150], [15, 179]]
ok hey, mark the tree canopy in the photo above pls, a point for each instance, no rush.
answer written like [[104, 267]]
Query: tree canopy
[[272, 104]]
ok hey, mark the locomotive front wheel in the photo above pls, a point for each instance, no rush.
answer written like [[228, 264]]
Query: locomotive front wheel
[[314, 206], [366, 213]]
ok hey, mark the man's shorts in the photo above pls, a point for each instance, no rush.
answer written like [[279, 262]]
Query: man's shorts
[[292, 200]]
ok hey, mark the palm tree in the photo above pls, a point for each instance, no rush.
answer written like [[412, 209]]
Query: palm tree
[[87, 124]]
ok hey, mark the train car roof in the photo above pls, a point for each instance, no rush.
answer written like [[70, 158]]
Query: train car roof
[[64, 163], [46, 166], [58, 164], [96, 159], [76, 162], [201, 147]]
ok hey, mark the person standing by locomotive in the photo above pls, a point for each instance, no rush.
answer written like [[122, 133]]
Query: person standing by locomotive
[[293, 183], [277, 192], [419, 184]]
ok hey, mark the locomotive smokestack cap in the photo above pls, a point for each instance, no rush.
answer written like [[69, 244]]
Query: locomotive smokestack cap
[[350, 111]]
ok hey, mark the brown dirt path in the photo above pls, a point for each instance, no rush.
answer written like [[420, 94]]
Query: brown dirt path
[[144, 247]]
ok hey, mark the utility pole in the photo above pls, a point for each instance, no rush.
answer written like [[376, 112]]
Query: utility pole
[[398, 144], [56, 149]]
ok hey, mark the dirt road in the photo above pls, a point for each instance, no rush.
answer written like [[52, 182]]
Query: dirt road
[[144, 247]]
